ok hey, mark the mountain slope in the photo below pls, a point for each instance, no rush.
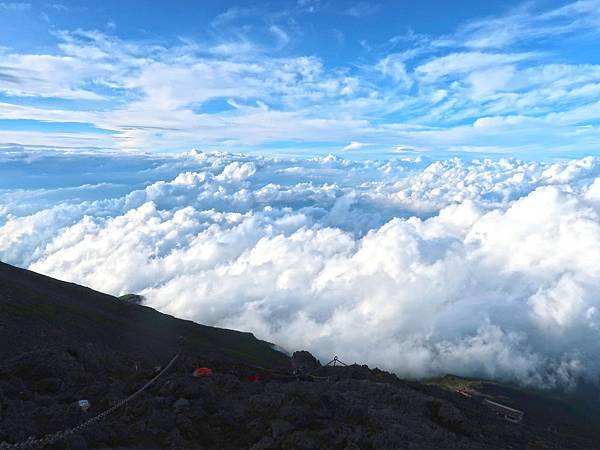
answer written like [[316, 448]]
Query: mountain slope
[[573, 415], [61, 343], [37, 310]]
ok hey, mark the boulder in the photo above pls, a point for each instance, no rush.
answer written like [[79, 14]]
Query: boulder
[[304, 361], [182, 403]]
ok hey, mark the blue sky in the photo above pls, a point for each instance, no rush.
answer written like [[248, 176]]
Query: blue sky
[[357, 78]]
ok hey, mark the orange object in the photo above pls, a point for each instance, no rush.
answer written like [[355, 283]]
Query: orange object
[[202, 372]]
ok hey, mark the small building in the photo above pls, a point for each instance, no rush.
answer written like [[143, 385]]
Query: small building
[[510, 414]]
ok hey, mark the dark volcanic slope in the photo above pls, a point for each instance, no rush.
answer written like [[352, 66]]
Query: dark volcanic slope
[[36, 310], [60, 343]]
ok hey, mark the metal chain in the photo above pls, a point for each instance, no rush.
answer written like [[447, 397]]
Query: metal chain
[[52, 438]]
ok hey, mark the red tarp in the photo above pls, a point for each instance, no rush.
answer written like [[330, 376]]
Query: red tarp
[[202, 372]]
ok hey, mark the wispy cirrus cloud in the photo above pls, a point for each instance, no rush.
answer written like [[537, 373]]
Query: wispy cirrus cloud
[[15, 6], [354, 145], [247, 86], [361, 9], [528, 22]]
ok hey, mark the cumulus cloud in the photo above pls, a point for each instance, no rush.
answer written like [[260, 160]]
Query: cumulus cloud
[[483, 267]]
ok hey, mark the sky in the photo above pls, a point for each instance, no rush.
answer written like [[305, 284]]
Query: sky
[[304, 77], [409, 185]]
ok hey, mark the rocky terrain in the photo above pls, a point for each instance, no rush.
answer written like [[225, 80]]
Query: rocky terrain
[[61, 343]]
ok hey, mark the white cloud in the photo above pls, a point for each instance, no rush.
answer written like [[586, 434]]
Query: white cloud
[[354, 145], [393, 66], [15, 6], [491, 80], [526, 23], [237, 171], [483, 268], [247, 85], [361, 9], [47, 76], [281, 36], [466, 62]]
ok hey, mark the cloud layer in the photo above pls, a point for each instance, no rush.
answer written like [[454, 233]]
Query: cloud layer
[[483, 267], [522, 82]]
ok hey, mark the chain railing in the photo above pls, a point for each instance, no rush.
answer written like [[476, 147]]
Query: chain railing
[[55, 437]]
